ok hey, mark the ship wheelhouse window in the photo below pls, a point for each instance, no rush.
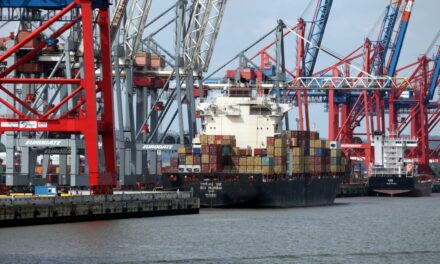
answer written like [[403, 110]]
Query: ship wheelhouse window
[[259, 111]]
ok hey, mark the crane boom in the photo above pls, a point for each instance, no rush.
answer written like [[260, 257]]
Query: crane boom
[[395, 53], [435, 77], [315, 36], [117, 18], [134, 27], [384, 40], [203, 28]]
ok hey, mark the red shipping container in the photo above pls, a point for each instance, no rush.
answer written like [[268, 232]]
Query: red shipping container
[[260, 152], [52, 179], [248, 74], [157, 61], [188, 150], [214, 159], [218, 138], [205, 149], [230, 74], [197, 91], [158, 83], [270, 141], [142, 59], [29, 68], [243, 152], [142, 81], [214, 149], [197, 160], [30, 44], [257, 152], [314, 135], [215, 168], [174, 162], [205, 168]]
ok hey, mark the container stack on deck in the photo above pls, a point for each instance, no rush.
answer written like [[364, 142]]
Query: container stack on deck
[[219, 154]]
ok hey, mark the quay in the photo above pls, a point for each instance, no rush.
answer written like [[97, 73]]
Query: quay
[[34, 210]]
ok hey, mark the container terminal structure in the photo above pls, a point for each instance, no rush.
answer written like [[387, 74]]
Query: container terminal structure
[[77, 75]]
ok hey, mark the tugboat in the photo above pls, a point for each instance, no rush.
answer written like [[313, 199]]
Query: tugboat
[[392, 174], [243, 158]]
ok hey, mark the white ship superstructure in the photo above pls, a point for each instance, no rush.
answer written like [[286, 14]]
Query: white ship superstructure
[[389, 156], [250, 119]]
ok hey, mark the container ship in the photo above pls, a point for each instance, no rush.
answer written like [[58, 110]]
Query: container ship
[[392, 174], [243, 158]]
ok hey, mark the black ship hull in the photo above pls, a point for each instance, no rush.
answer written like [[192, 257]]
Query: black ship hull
[[399, 186], [250, 190]]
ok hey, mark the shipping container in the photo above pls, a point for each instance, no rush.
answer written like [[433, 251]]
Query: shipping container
[[196, 151], [279, 152], [270, 141], [270, 150], [205, 158], [46, 190], [157, 61], [257, 161], [250, 161], [142, 59], [335, 152], [268, 170], [267, 161], [298, 151]]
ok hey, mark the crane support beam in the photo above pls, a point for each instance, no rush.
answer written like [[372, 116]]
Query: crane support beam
[[48, 4]]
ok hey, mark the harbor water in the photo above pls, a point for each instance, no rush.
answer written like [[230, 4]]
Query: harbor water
[[354, 230]]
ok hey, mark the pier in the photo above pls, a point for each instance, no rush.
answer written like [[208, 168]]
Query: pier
[[33, 210]]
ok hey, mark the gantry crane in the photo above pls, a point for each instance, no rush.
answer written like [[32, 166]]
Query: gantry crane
[[159, 89], [92, 114]]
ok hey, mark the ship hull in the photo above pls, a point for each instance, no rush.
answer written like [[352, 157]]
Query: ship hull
[[399, 186], [246, 190]]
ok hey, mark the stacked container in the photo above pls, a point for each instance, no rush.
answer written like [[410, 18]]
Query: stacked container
[[219, 154]]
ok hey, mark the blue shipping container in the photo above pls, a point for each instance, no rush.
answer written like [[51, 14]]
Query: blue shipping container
[[46, 190], [197, 150], [268, 161], [320, 152], [307, 152]]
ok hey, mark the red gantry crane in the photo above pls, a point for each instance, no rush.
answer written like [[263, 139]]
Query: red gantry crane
[[91, 114]]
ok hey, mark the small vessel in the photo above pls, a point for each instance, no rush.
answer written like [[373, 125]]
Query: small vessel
[[243, 158], [394, 175]]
